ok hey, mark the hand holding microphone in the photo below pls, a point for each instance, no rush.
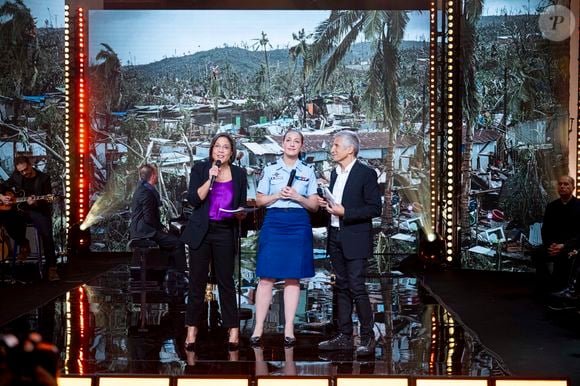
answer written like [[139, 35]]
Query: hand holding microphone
[[218, 164], [286, 192]]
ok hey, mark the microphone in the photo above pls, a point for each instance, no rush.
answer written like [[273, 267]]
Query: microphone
[[218, 163], [291, 179]]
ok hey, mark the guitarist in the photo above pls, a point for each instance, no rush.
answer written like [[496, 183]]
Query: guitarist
[[33, 182]]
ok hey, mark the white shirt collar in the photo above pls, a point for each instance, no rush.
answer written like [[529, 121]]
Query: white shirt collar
[[347, 169]]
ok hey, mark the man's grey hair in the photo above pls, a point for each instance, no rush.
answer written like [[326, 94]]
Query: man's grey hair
[[350, 138]]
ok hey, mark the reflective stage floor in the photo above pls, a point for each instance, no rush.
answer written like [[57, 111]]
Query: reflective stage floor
[[102, 328]]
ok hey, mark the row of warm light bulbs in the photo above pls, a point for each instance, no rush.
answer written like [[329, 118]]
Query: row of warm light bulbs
[[450, 121], [308, 381], [432, 107], [82, 144], [67, 128], [80, 106]]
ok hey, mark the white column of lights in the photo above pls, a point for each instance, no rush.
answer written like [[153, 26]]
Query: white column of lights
[[67, 117], [432, 109], [450, 118]]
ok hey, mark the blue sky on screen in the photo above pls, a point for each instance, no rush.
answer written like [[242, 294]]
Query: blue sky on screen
[[146, 36]]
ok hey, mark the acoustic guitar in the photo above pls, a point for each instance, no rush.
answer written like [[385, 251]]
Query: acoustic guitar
[[19, 200]]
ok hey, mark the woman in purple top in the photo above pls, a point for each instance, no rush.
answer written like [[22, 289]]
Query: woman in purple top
[[212, 233]]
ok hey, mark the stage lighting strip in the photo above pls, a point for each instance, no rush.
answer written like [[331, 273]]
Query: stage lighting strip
[[82, 115], [451, 56], [339, 380], [67, 126], [432, 109]]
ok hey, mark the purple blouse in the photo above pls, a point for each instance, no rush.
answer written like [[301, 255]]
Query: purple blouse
[[221, 196]]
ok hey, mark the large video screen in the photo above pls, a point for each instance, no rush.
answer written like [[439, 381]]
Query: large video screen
[[164, 82]]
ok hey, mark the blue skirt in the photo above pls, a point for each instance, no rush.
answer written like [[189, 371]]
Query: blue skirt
[[285, 245]]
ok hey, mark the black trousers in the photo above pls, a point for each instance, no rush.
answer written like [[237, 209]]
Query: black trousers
[[43, 223], [171, 244], [556, 280], [350, 288], [218, 246], [15, 225]]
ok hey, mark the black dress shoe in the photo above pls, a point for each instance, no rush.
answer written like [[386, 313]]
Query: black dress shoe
[[339, 342], [256, 341], [190, 346], [289, 342], [367, 347]]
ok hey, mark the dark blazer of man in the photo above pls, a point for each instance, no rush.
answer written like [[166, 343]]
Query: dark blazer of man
[[352, 246], [198, 222], [561, 226], [146, 224], [145, 217], [362, 201]]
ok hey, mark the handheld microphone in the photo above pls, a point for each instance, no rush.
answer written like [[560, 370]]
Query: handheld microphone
[[218, 163], [291, 179], [320, 192]]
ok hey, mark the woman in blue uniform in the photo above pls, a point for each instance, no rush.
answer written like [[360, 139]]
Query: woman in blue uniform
[[287, 189]]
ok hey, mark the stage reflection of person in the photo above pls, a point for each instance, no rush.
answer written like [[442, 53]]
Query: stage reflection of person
[[212, 233], [288, 190], [146, 219], [32, 182], [357, 200], [261, 366]]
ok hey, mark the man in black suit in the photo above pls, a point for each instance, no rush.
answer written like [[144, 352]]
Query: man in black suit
[[560, 236], [146, 218], [356, 201]]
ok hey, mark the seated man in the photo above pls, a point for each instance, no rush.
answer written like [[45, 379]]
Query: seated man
[[33, 183], [146, 218], [560, 234]]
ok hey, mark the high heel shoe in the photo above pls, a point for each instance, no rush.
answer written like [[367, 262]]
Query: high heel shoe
[[289, 342], [189, 346], [256, 341]]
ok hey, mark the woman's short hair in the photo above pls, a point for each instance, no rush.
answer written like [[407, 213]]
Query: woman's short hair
[[232, 144]]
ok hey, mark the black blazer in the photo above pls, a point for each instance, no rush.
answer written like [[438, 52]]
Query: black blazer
[[362, 201], [145, 216], [198, 223]]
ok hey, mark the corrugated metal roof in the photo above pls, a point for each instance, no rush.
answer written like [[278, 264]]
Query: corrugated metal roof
[[261, 149]]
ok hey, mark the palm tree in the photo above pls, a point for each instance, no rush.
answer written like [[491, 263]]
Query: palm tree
[[108, 75], [384, 30], [263, 43], [302, 49], [470, 101], [19, 50]]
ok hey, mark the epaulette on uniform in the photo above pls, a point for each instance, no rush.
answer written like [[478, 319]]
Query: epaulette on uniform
[[307, 165]]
